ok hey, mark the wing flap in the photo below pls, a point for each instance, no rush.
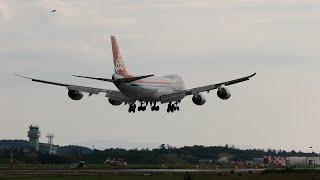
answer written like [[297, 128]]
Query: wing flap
[[118, 96], [176, 96], [85, 89]]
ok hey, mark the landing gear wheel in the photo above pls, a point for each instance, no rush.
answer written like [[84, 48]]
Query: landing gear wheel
[[132, 108], [173, 107]]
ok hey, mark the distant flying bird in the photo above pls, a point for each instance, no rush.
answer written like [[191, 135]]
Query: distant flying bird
[[53, 11]]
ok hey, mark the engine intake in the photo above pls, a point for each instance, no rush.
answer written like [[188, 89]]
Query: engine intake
[[114, 102], [198, 99], [75, 95], [223, 93]]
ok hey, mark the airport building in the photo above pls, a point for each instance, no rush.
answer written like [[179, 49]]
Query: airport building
[[34, 135], [52, 147], [302, 161], [293, 161]]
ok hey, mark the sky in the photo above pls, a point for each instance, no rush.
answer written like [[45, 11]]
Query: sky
[[204, 41]]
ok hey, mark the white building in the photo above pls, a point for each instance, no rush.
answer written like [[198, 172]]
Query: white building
[[302, 161]]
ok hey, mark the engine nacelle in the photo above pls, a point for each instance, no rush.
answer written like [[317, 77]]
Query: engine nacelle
[[198, 99], [114, 102], [223, 93], [75, 95]]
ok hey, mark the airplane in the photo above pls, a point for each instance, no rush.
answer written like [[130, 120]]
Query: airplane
[[146, 89]]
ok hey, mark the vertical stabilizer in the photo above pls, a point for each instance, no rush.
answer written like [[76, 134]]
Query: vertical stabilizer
[[119, 66]]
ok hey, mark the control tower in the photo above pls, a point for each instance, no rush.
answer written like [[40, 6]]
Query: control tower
[[34, 135]]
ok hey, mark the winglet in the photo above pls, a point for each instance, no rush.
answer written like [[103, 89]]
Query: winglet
[[252, 75], [22, 76]]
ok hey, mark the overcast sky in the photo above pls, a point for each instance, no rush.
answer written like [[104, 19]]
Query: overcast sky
[[202, 41]]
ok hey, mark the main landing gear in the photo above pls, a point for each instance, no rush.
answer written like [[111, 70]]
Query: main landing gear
[[173, 107], [132, 108], [154, 107], [142, 107]]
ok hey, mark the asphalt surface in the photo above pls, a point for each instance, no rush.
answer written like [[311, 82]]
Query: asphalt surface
[[96, 172]]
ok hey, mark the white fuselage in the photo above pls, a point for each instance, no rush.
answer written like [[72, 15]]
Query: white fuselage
[[150, 89]]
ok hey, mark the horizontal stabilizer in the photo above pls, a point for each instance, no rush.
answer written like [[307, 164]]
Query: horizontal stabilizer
[[123, 80], [128, 80], [100, 79]]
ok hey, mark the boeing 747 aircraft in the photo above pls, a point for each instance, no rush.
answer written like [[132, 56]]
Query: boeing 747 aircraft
[[146, 90]]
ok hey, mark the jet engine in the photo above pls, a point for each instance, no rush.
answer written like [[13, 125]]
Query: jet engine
[[223, 93], [75, 95], [114, 102], [198, 99]]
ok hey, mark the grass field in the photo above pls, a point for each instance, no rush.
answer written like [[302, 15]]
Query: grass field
[[269, 175], [182, 177], [102, 166]]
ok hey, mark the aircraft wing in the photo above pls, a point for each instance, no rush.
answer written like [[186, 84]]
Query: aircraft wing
[[176, 96], [115, 95], [216, 86]]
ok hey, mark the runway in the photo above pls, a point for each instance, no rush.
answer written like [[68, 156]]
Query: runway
[[98, 172]]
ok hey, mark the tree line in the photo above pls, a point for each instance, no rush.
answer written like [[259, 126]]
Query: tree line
[[165, 154]]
